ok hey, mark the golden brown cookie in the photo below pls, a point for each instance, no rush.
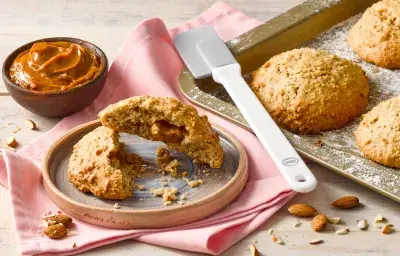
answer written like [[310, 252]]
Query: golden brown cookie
[[376, 36], [98, 165], [308, 91], [378, 135], [167, 120]]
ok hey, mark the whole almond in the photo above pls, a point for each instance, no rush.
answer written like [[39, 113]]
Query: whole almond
[[60, 218], [319, 222], [302, 210], [346, 202], [56, 231]]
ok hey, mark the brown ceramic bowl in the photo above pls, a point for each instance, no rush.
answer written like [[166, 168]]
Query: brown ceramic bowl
[[56, 104]]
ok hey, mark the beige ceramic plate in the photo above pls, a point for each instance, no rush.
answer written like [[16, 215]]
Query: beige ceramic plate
[[221, 186]]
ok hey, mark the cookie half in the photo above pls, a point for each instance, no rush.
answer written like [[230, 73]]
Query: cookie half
[[98, 165]]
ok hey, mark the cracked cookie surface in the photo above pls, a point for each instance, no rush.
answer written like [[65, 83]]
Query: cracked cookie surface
[[98, 165], [308, 91], [376, 36]]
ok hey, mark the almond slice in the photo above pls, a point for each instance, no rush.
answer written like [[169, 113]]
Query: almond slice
[[342, 231], [334, 220], [362, 224], [30, 124], [277, 240], [379, 218], [387, 229], [253, 250], [12, 142], [316, 241], [270, 231], [17, 129]]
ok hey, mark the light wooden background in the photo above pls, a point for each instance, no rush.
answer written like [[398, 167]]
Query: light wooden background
[[106, 23]]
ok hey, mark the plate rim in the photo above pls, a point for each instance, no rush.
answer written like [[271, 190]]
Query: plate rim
[[50, 187]]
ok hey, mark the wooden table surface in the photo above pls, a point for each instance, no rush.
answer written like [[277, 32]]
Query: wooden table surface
[[106, 23]]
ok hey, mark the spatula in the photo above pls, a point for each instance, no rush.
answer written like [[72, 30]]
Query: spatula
[[205, 54]]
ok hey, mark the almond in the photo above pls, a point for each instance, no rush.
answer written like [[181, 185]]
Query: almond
[[319, 222], [302, 210], [346, 202], [60, 218], [254, 251], [316, 241], [12, 142], [56, 231], [30, 124]]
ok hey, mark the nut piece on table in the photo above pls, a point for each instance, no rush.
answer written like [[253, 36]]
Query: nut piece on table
[[342, 231], [30, 124], [319, 222], [346, 202], [334, 220], [302, 210], [277, 240], [387, 229], [56, 231], [379, 218], [253, 250], [362, 224], [316, 241], [11, 142]]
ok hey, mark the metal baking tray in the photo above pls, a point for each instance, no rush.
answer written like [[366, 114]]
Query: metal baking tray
[[319, 24]]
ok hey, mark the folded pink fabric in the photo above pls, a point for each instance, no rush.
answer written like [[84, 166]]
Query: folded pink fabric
[[147, 64]]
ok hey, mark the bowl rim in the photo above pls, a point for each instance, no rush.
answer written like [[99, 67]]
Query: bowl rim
[[9, 59]]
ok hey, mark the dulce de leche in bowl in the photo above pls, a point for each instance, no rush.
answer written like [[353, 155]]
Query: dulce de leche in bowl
[[54, 66], [55, 76]]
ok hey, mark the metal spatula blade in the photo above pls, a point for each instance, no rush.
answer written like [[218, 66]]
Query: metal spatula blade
[[205, 54]]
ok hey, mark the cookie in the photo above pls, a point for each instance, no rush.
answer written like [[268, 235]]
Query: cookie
[[376, 36], [167, 120], [378, 135], [308, 91], [98, 165]]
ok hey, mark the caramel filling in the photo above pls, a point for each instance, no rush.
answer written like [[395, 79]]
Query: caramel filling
[[163, 131], [54, 66]]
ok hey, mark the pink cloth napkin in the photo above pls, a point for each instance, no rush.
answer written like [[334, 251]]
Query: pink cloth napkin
[[147, 64]]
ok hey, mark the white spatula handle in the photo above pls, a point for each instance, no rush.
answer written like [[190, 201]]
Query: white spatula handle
[[286, 159]]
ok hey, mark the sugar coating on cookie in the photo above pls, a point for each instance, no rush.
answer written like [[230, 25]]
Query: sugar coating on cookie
[[98, 165], [378, 135], [308, 91], [376, 36], [167, 120]]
